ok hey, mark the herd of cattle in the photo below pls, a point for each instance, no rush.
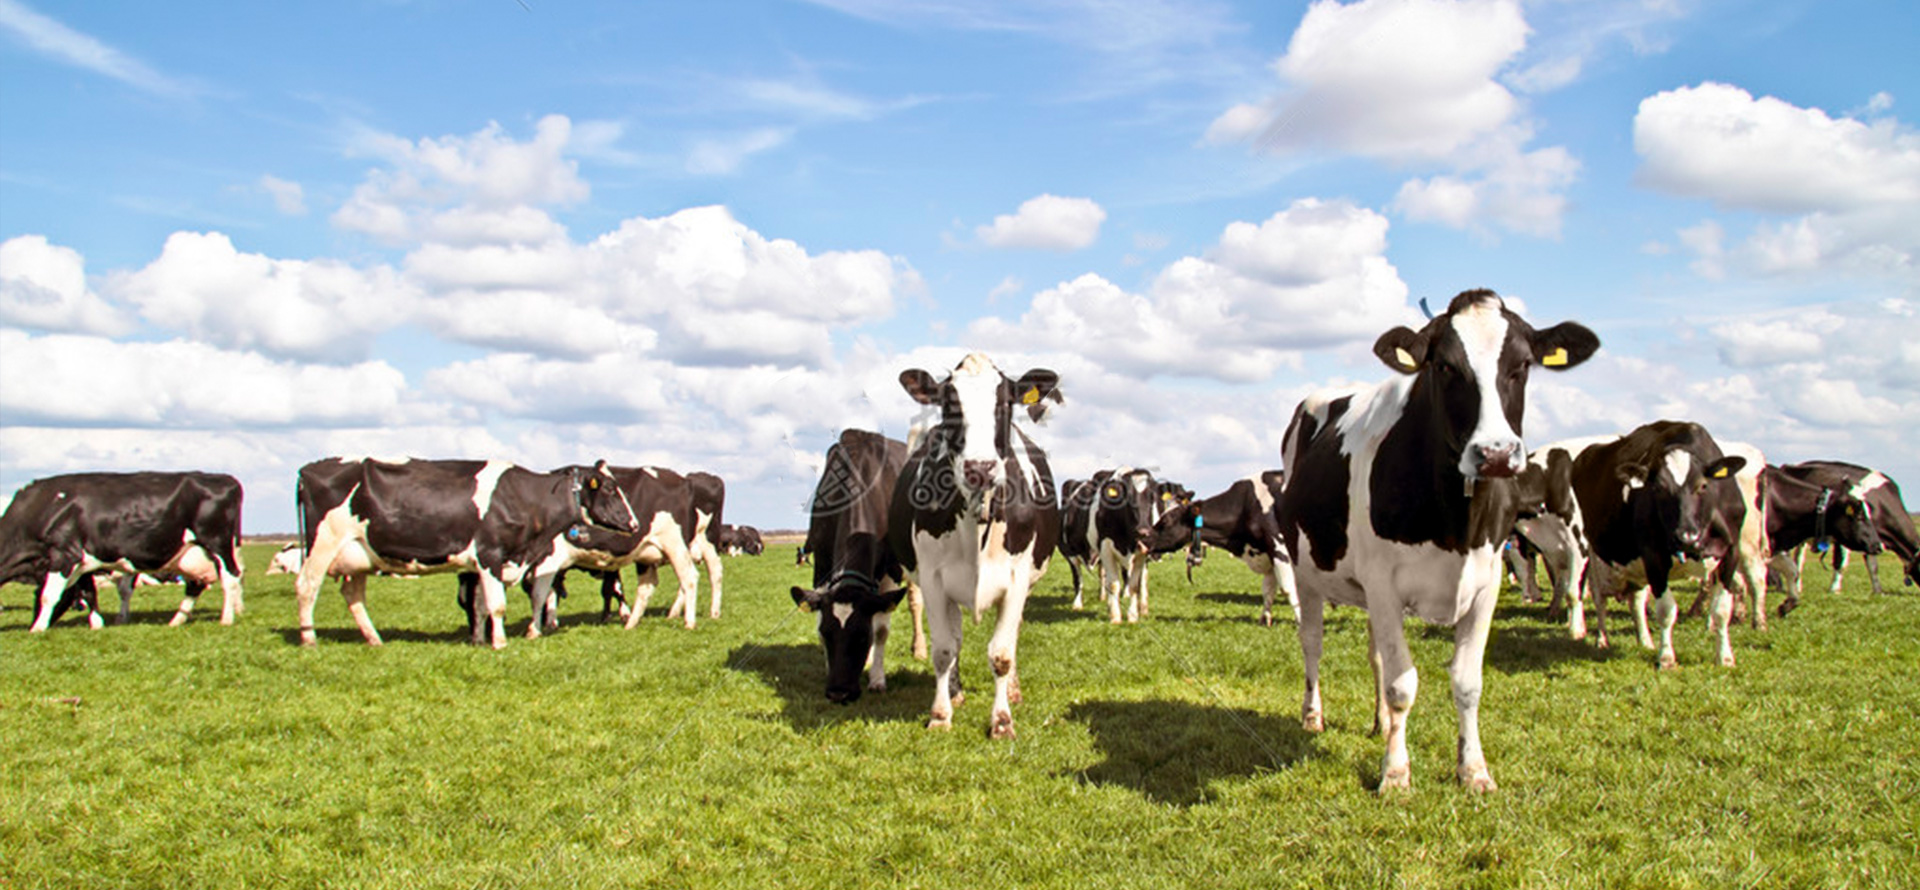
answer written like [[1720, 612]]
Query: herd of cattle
[[1413, 496]]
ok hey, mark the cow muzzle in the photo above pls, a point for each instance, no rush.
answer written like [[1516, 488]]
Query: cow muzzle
[[978, 474], [1496, 460]]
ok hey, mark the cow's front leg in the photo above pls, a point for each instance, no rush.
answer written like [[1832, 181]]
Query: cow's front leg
[[1640, 597], [1002, 655], [943, 627], [645, 579], [1667, 610], [877, 655], [354, 588], [1143, 595], [1313, 612], [1399, 685], [1469, 654], [917, 611], [232, 596], [51, 590]]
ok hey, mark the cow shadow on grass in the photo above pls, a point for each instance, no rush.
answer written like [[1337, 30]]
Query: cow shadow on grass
[[457, 635], [1174, 752], [1516, 648], [798, 675]]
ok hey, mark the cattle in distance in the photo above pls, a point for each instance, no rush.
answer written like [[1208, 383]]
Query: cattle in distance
[[974, 518], [1399, 496], [62, 530]]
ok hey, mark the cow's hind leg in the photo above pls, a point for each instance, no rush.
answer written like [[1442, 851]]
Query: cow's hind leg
[[943, 627], [1313, 614], [354, 588], [193, 590], [645, 579], [51, 590], [124, 586], [917, 610]]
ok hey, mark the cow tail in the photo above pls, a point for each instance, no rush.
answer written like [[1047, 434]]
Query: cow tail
[[300, 514]]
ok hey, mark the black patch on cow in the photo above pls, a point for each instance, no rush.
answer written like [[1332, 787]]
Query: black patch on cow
[[1318, 481], [139, 517]]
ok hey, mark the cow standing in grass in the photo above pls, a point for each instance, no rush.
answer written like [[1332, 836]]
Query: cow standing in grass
[[1243, 520], [1400, 495], [974, 519], [1880, 497], [59, 531]]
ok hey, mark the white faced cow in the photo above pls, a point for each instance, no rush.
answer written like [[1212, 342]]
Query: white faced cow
[[974, 518], [1400, 495], [63, 529], [416, 517], [1108, 527]]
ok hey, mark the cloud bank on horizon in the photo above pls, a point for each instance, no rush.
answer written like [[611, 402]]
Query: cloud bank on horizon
[[723, 275]]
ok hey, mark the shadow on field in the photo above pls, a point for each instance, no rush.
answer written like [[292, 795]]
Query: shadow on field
[[1247, 600], [798, 674], [1171, 751], [387, 635], [1515, 648]]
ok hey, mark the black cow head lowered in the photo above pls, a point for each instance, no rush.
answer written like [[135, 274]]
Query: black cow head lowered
[[847, 608], [1470, 366], [974, 437]]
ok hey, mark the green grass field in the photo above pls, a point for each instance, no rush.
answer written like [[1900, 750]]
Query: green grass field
[[1167, 754]]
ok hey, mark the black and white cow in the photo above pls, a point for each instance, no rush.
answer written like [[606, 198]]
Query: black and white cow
[[62, 529], [857, 577], [974, 518], [741, 540], [1399, 496], [666, 512], [1107, 527], [415, 517], [1801, 513], [709, 495], [1880, 496], [1244, 521]]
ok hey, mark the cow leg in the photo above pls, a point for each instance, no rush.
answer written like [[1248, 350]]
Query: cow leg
[[1788, 571], [1313, 613], [493, 602], [877, 655], [1267, 583], [1111, 584], [715, 572], [1840, 558], [689, 577], [917, 610], [943, 627], [306, 586], [1640, 597], [1002, 654], [1752, 573], [546, 606], [193, 590], [468, 596], [232, 597], [1667, 610], [124, 585], [1469, 654], [1282, 573], [1873, 572], [645, 579], [51, 591], [1073, 566], [354, 588], [1399, 685], [1720, 621], [1143, 596], [90, 600], [1599, 597], [609, 594]]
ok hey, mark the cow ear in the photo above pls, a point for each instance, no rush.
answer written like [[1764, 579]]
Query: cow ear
[[807, 600], [920, 385], [1402, 349], [1034, 388], [890, 599], [1634, 475], [1725, 467], [1564, 345]]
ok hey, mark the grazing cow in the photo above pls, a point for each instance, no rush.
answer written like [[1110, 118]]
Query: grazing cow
[[1880, 496], [286, 560], [1244, 520], [1109, 521], [857, 577], [1399, 496], [1798, 512], [61, 529], [666, 511], [741, 540], [974, 518], [415, 517]]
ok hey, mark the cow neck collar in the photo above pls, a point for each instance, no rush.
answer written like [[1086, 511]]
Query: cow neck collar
[[859, 579]]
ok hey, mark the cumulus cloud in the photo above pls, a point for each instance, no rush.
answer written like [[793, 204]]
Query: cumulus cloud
[[43, 287], [1415, 82], [287, 196], [96, 381], [1310, 276], [485, 176], [318, 310], [1851, 187], [1046, 222]]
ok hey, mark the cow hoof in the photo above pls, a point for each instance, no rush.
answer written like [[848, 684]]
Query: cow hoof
[[1314, 721], [1477, 779], [1003, 725], [877, 686], [938, 722], [1266, 619], [714, 614], [1579, 633], [1396, 778], [1726, 661], [1669, 663], [178, 619], [498, 644], [533, 633]]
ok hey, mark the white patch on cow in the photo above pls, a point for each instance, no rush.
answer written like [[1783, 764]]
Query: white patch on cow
[[1867, 484], [1261, 494], [485, 482], [1482, 328], [977, 384], [842, 612], [1679, 464], [650, 471]]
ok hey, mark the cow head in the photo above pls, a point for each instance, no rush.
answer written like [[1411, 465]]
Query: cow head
[[1471, 364], [974, 435], [1681, 491], [1132, 498], [601, 500], [846, 608], [1848, 522]]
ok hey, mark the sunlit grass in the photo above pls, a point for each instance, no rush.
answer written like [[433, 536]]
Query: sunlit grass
[[1167, 754]]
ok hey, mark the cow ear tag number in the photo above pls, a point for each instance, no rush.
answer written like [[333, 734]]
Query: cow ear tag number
[[1556, 358]]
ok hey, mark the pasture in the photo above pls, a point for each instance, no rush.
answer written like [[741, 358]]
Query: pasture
[[1166, 754]]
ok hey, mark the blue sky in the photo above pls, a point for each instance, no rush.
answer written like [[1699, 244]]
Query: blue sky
[[708, 236]]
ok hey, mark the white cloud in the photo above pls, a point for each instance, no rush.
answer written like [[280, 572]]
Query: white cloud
[[1753, 343], [288, 197], [1046, 222], [43, 287], [1310, 276], [63, 44], [1416, 82], [488, 173], [723, 156], [320, 310], [185, 384]]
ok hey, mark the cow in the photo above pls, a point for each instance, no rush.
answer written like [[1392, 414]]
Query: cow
[[61, 529], [1399, 496], [667, 512], [1243, 520], [1880, 497], [497, 520], [974, 518], [741, 540], [709, 495], [286, 560], [1108, 522], [858, 579]]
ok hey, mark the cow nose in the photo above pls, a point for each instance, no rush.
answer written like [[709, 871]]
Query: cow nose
[[1497, 460], [979, 474]]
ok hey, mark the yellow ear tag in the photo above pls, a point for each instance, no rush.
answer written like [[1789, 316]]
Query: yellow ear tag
[[1556, 358], [1720, 473], [1166, 495], [1404, 357], [593, 484], [1032, 396], [1112, 493]]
